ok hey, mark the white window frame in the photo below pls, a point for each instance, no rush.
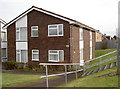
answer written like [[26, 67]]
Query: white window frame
[[18, 52], [34, 30], [55, 28], [55, 54], [35, 54], [18, 30]]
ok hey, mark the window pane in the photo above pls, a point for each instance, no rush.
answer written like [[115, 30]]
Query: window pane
[[61, 56], [81, 34], [23, 34], [90, 35], [54, 26], [3, 53], [35, 56], [18, 56], [53, 51], [60, 29], [34, 27], [52, 31], [35, 51], [34, 33], [24, 57], [54, 57], [4, 36]]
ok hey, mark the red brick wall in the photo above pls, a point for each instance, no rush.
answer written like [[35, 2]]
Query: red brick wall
[[93, 43], [43, 42], [86, 49], [75, 44], [11, 40]]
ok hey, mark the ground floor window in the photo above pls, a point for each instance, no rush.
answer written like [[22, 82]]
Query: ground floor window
[[4, 54], [81, 57], [35, 55], [90, 49], [56, 55], [21, 56]]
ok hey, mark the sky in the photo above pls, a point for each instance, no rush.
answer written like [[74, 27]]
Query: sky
[[99, 14]]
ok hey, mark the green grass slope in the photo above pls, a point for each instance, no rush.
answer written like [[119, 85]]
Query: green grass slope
[[107, 78]]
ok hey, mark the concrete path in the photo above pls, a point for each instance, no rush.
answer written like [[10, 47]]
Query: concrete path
[[52, 82]]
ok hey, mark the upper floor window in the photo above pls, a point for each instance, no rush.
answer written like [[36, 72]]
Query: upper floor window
[[55, 30], [21, 34], [35, 55], [34, 31], [90, 35], [81, 34], [4, 36], [56, 55]]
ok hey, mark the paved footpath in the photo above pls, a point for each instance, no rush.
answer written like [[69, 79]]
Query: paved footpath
[[52, 82]]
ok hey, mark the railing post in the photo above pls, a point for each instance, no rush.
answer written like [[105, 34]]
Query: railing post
[[65, 73], [46, 76], [76, 72], [100, 62]]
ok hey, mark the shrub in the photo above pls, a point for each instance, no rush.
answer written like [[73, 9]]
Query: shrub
[[9, 65]]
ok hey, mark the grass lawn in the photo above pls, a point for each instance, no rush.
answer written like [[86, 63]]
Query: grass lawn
[[105, 78], [102, 52], [15, 79]]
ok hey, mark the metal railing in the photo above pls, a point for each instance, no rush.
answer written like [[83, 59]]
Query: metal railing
[[87, 65], [65, 72]]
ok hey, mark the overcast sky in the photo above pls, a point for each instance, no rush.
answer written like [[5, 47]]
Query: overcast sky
[[99, 14]]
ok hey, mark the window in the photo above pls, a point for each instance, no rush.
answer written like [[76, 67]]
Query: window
[[35, 55], [90, 52], [21, 56], [21, 34], [90, 45], [4, 52], [34, 31], [81, 34], [55, 30], [81, 57], [90, 35], [4, 36], [56, 55]]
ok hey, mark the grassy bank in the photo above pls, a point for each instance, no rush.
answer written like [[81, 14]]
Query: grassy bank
[[107, 78], [100, 53]]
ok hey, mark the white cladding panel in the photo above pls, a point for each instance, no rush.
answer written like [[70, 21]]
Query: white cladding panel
[[22, 22], [3, 44], [1, 26], [81, 44], [21, 45]]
